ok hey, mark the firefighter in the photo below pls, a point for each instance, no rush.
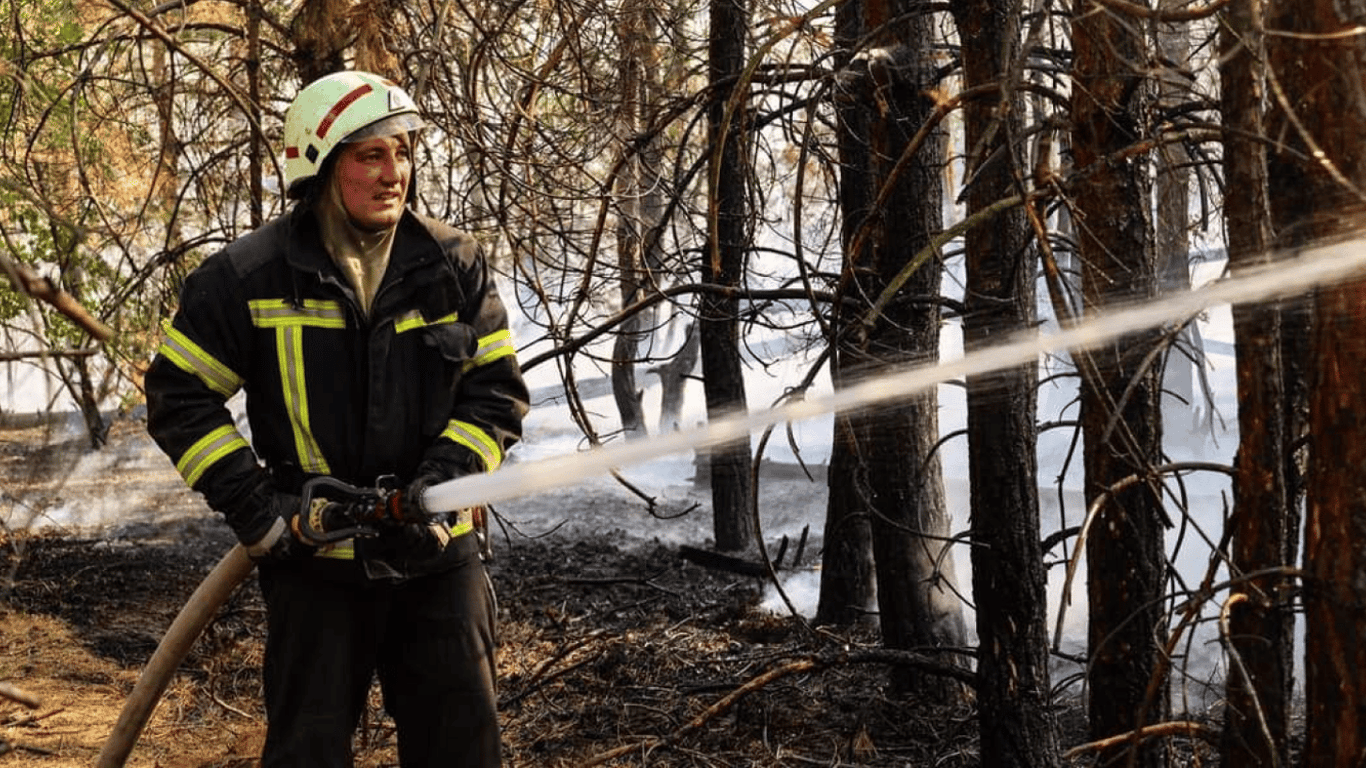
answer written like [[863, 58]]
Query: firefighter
[[369, 342]]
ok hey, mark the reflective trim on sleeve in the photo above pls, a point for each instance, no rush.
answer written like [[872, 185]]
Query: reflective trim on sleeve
[[495, 346], [411, 321], [289, 322], [207, 451], [477, 440], [191, 358]]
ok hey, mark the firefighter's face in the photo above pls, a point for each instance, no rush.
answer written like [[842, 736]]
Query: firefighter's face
[[373, 176]]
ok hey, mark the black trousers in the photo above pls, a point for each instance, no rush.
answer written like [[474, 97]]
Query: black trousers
[[429, 639]]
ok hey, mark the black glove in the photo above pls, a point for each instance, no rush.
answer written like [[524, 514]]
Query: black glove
[[412, 508], [424, 541], [280, 544], [423, 535]]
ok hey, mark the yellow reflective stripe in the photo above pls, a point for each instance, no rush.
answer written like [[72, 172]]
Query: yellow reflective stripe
[[494, 346], [315, 313], [477, 440], [342, 550], [289, 322], [411, 321], [289, 346], [346, 549], [464, 522], [408, 322], [207, 451], [191, 358]]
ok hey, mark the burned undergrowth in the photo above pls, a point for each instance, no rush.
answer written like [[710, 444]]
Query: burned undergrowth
[[614, 649], [605, 649]]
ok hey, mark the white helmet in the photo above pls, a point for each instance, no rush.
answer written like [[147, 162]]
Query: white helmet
[[336, 109]]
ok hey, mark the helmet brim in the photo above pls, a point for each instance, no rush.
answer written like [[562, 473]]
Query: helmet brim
[[393, 125]]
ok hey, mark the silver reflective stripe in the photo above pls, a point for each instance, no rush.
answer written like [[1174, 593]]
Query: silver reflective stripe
[[289, 322], [276, 313], [495, 346], [191, 358], [413, 320], [207, 451], [477, 440], [289, 344]]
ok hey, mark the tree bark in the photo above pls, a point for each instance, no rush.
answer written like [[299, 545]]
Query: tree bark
[[1317, 108], [674, 374], [631, 224], [723, 263], [1261, 621], [1172, 226], [848, 591], [319, 36], [1008, 576], [894, 474], [1120, 404]]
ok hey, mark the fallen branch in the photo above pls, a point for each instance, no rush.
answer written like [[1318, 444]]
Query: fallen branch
[[719, 562], [798, 666], [542, 674], [13, 746], [14, 693], [30, 718], [607, 581], [1174, 728]]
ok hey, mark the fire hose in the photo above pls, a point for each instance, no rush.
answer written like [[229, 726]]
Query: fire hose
[[198, 611], [330, 511]]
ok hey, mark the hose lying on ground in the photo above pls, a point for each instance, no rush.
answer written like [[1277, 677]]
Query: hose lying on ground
[[199, 610]]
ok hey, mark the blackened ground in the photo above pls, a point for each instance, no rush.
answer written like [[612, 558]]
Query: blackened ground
[[614, 650]]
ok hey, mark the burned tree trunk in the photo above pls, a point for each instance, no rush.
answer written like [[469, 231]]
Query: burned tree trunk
[[1121, 381], [1008, 574], [1261, 620], [891, 192], [723, 263], [631, 225], [1317, 107]]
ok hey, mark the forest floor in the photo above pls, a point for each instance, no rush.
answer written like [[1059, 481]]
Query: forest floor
[[614, 649]]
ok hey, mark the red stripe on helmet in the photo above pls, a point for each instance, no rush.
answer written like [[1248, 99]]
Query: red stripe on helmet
[[337, 109], [291, 152]]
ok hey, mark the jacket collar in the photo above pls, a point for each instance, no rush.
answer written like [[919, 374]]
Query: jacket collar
[[414, 248]]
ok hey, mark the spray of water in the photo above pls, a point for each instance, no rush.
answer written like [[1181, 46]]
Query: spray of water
[[1281, 279]]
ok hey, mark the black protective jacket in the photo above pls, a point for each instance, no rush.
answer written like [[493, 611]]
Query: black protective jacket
[[427, 386]]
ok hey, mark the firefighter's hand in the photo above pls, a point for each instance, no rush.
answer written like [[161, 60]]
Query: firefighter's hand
[[424, 535], [425, 541], [280, 543], [411, 507]]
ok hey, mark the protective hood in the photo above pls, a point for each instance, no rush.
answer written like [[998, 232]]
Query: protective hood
[[361, 255]]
